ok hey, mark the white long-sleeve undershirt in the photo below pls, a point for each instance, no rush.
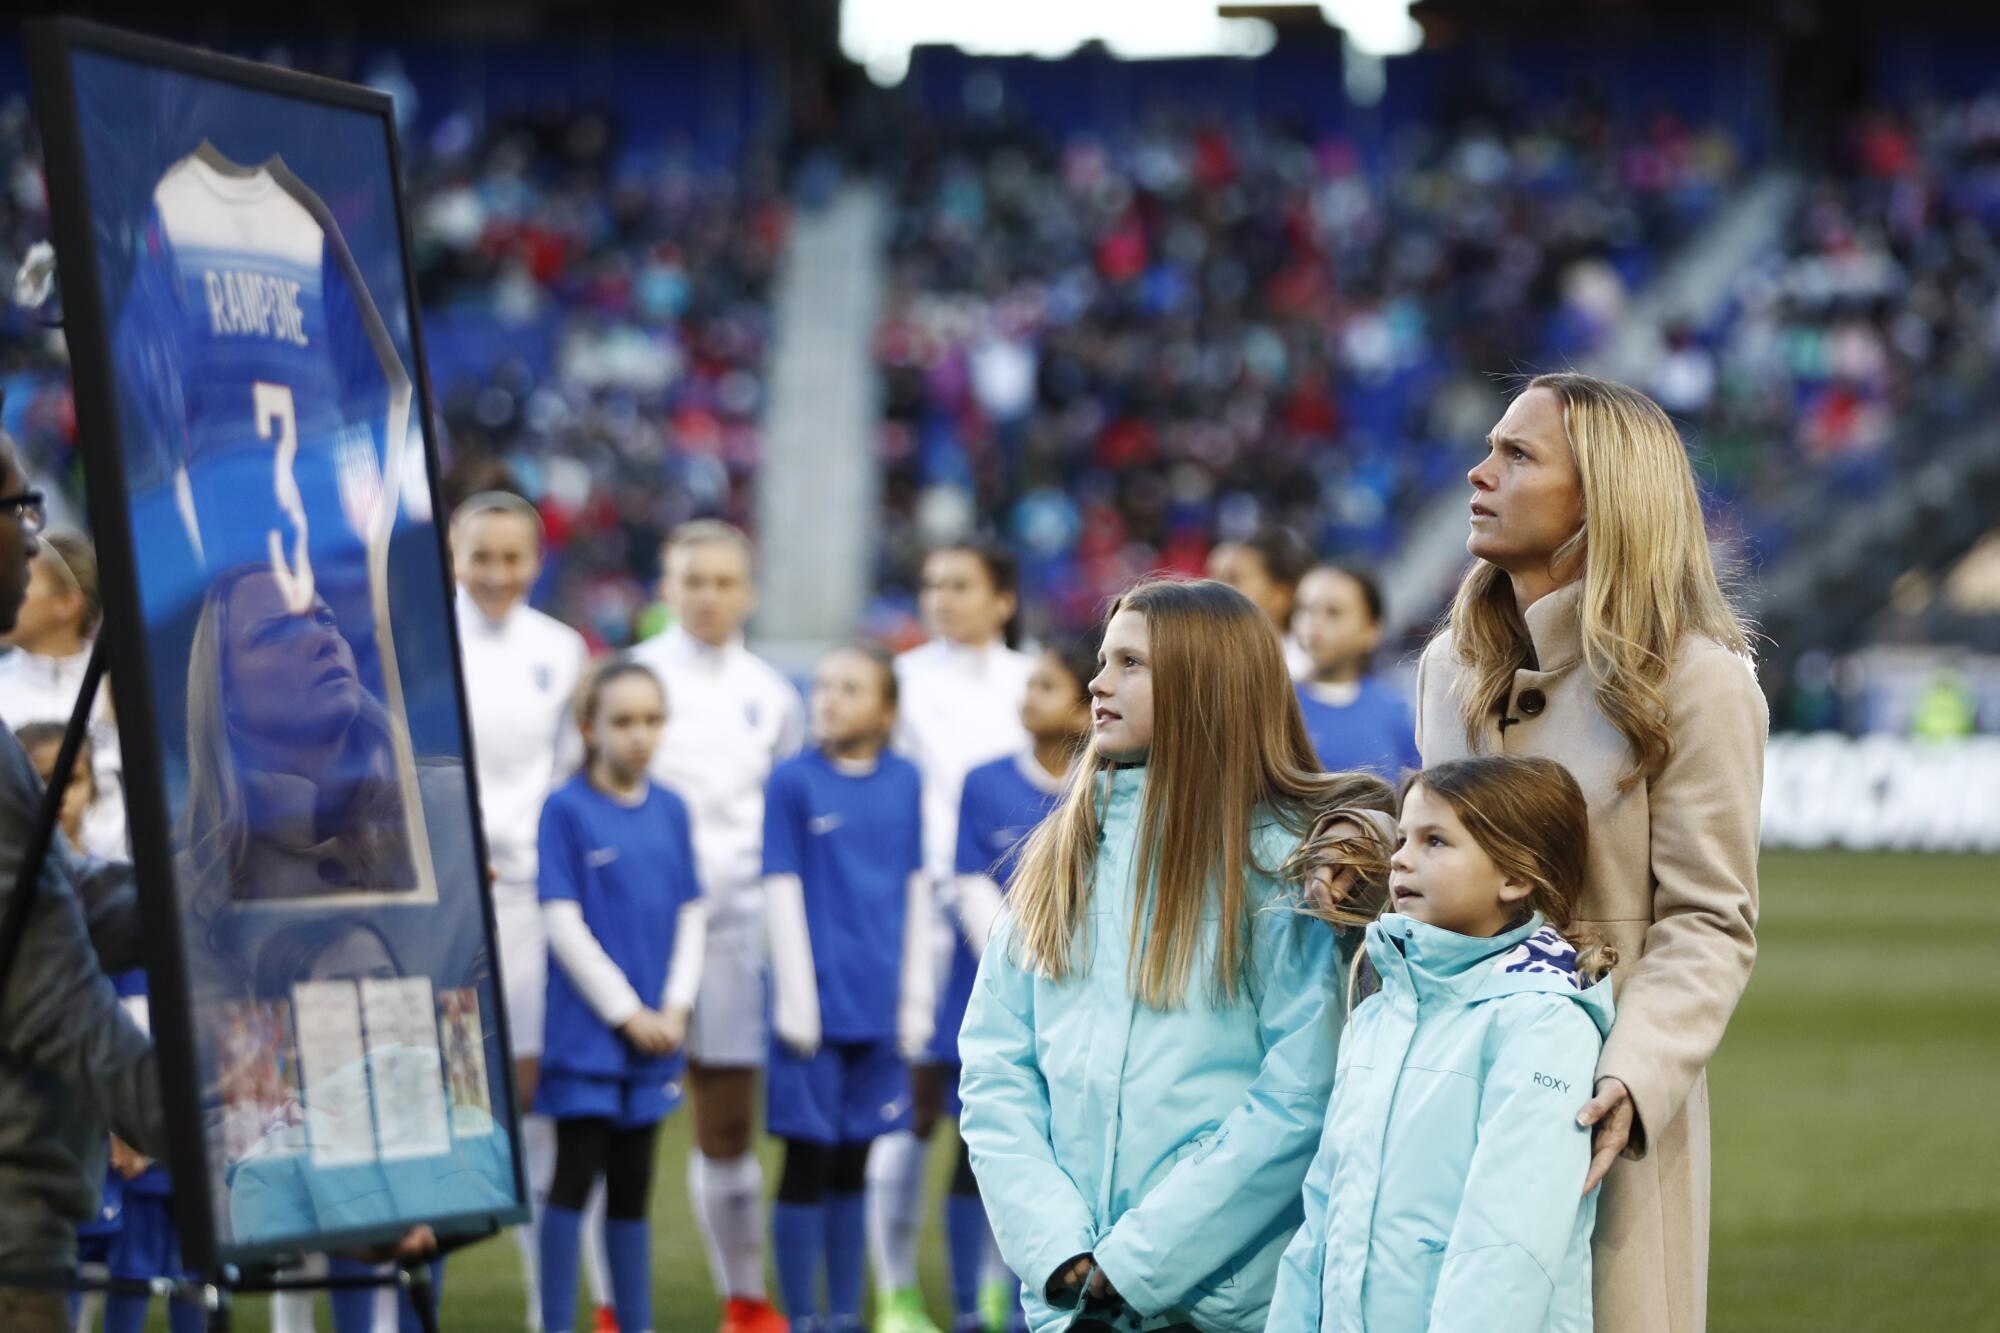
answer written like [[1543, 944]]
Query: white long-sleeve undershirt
[[600, 981]]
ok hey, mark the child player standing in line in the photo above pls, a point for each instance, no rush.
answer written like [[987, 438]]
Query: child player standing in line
[[851, 976], [734, 718], [1353, 719], [961, 707], [625, 921]]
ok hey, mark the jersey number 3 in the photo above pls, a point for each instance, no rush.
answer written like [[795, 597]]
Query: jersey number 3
[[275, 410]]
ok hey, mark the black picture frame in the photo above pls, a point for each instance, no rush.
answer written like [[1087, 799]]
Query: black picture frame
[[52, 47]]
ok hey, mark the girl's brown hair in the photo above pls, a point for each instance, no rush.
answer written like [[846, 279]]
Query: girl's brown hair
[[1648, 578], [592, 690], [1530, 817], [1228, 747]]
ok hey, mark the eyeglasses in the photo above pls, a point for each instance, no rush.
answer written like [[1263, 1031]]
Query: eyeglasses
[[29, 508]]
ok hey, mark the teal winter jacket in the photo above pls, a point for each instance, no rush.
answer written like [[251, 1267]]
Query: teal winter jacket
[[1170, 1143], [1447, 1193]]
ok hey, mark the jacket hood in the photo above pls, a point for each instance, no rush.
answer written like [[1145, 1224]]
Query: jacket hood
[[1442, 964]]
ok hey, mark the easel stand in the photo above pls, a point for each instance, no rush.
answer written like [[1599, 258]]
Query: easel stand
[[215, 1295], [212, 1293]]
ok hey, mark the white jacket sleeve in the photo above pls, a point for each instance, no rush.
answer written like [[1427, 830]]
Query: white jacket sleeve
[[979, 907], [794, 982], [690, 952], [916, 1009], [603, 987]]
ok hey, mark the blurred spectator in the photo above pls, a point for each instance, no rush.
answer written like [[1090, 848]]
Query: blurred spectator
[[596, 316], [1119, 350]]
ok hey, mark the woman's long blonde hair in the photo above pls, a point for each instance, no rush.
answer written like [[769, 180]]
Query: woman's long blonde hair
[[1228, 745], [1648, 579], [216, 828]]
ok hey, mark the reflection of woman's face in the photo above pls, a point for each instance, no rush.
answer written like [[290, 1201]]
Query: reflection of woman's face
[[355, 956], [290, 678]]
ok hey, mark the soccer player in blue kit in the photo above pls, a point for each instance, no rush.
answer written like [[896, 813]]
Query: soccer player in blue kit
[[847, 904], [626, 927], [1000, 806], [1354, 720]]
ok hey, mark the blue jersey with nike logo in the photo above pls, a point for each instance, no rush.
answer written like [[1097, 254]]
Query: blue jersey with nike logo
[[853, 841]]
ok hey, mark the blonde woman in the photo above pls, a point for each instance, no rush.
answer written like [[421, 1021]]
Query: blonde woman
[[1591, 630]]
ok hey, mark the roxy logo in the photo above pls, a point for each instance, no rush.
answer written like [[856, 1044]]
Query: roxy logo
[[1551, 1081]]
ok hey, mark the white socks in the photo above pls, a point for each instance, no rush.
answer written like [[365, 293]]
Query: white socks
[[895, 1208], [292, 1311], [596, 1265], [538, 1151], [728, 1199]]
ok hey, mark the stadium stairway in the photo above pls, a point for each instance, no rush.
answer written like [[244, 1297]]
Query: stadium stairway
[[1690, 289], [817, 493], [1834, 581]]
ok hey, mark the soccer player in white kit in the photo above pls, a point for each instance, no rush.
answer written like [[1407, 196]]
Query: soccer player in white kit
[[961, 707], [521, 674], [730, 718]]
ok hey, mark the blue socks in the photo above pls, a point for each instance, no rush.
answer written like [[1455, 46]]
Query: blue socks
[[561, 1230], [353, 1307], [966, 1239], [798, 1236], [406, 1310], [845, 1235], [628, 1244]]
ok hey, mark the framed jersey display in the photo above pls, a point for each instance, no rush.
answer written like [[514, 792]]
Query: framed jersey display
[[248, 369]]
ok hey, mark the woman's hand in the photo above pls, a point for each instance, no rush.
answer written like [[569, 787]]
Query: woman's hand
[[1611, 1111], [1343, 866], [1327, 887]]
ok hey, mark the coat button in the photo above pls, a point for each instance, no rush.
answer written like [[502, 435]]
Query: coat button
[[1532, 702]]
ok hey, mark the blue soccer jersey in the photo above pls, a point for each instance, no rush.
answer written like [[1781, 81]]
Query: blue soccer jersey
[[267, 408], [853, 841], [1000, 806], [1375, 732], [632, 870]]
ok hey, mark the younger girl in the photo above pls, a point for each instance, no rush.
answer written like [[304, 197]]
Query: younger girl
[[1448, 1189], [625, 924], [850, 975], [1148, 1045], [1002, 803]]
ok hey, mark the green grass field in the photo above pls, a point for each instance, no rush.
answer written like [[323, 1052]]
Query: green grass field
[[1856, 1103]]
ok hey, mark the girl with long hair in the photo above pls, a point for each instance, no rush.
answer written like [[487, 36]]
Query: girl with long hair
[[1591, 629], [1002, 803], [1446, 1193], [1150, 1040]]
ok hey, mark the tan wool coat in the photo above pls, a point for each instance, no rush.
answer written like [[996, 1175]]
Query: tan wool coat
[[1673, 886]]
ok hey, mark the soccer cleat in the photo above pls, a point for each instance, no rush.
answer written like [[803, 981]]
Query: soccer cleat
[[999, 1306], [744, 1316], [902, 1311], [606, 1321]]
